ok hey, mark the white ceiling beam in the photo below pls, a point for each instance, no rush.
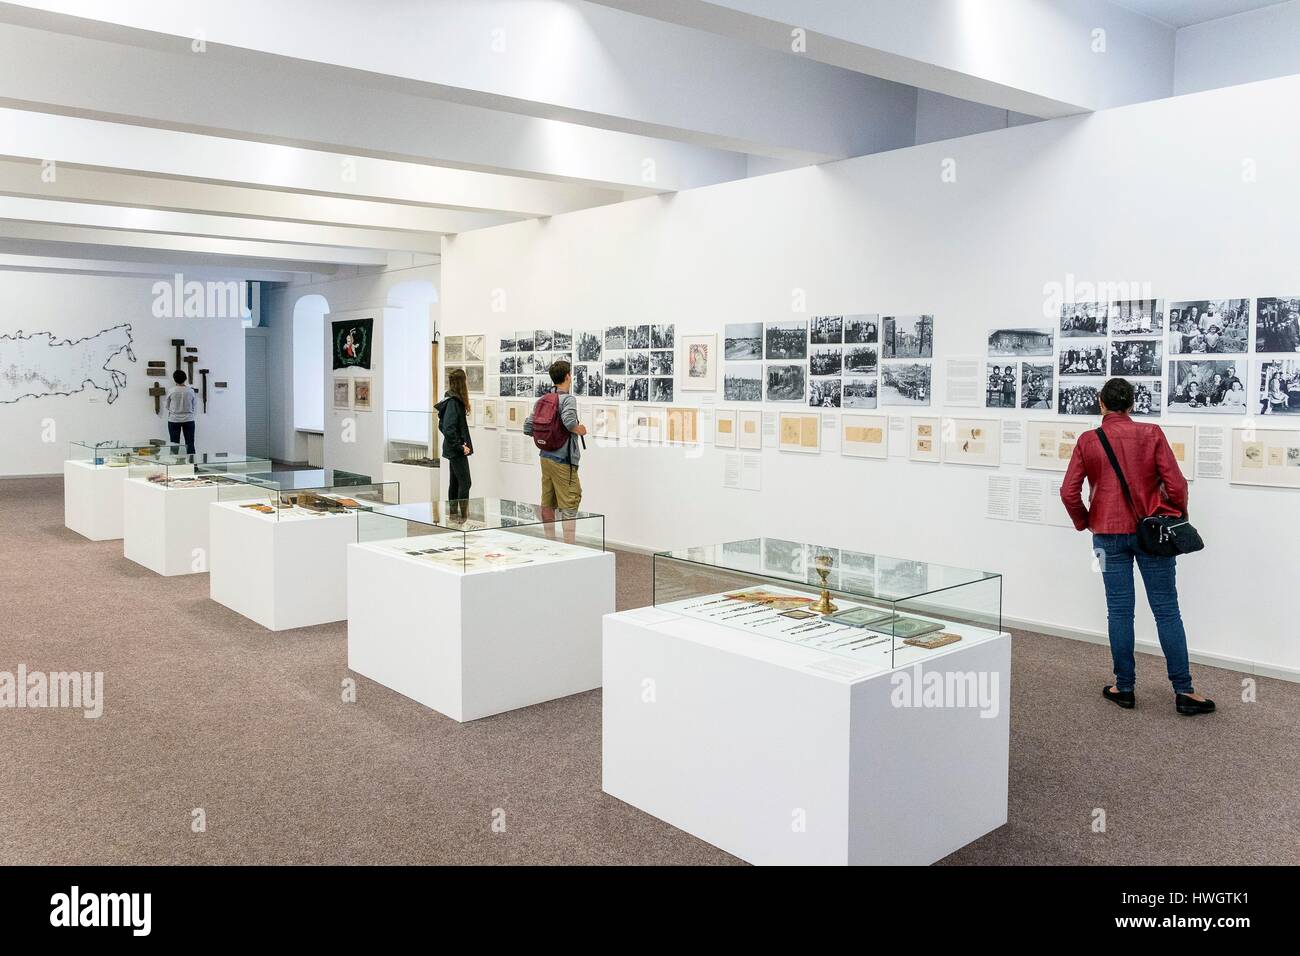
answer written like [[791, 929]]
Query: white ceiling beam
[[68, 183], [16, 263], [160, 152], [14, 209], [562, 60], [1028, 56], [274, 100]]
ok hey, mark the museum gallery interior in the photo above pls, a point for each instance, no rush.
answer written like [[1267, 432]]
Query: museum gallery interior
[[616, 432]]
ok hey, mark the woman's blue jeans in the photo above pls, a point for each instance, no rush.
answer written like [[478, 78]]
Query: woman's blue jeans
[[1116, 554]]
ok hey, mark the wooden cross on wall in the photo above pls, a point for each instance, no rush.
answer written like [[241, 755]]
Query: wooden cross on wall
[[157, 391]]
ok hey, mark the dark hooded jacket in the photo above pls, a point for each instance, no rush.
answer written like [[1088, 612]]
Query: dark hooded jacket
[[454, 427]]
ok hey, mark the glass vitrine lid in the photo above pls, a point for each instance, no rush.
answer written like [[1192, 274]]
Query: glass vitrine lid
[[856, 573], [479, 514], [306, 479]]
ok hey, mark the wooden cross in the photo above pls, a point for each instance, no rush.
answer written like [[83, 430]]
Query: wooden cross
[[178, 343], [157, 391], [189, 364]]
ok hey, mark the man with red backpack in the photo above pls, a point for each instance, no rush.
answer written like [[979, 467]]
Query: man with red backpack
[[556, 432]]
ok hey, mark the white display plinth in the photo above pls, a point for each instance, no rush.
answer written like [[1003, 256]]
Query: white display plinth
[[166, 529], [92, 499], [784, 755], [417, 484], [471, 644], [281, 571]]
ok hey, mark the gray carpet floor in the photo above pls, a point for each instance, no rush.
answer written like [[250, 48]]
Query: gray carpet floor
[[206, 710]]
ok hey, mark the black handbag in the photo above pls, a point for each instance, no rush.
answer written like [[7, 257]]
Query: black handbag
[[1161, 536]]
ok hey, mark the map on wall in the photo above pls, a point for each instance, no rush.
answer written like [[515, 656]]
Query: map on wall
[[37, 365]]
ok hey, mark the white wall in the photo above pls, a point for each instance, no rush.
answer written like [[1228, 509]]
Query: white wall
[[37, 432], [1257, 45], [1096, 197]]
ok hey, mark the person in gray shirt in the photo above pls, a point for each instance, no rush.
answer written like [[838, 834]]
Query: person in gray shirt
[[560, 486], [179, 406]]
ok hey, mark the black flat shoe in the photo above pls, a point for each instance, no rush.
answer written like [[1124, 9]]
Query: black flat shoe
[[1124, 698], [1189, 706]]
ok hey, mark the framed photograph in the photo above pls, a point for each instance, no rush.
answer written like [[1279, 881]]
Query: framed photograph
[[724, 428], [638, 337], [683, 425], [1037, 381], [1279, 387], [1277, 324], [475, 380], [905, 383], [1268, 457], [1079, 397], [615, 338], [516, 412], [743, 341], [361, 394], [749, 430], [861, 360], [1084, 319], [700, 362], [908, 336], [859, 391], [864, 436], [561, 341], [824, 392], [1137, 317], [524, 341], [826, 360], [543, 340], [454, 348], [1082, 358], [786, 340], [1148, 398], [923, 442], [800, 432], [1050, 444], [1182, 442], [589, 347], [615, 388], [605, 422], [826, 330], [661, 363], [1133, 358], [1014, 343], [647, 425], [663, 336], [972, 441], [638, 362], [862, 329], [1000, 385], [507, 342], [786, 383], [491, 414], [661, 389], [1208, 385], [616, 363], [742, 382], [342, 392], [638, 389], [475, 348]]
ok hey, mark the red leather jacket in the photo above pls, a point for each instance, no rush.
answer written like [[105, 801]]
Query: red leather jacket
[[1158, 487]]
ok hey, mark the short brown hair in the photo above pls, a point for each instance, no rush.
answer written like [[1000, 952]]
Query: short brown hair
[[560, 371]]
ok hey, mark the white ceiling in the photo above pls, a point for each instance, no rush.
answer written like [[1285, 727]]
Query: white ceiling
[[1186, 13]]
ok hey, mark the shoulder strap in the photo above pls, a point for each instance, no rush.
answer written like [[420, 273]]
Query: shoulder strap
[[1119, 473]]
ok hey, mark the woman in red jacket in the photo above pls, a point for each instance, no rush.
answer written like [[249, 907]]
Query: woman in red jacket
[[1158, 488]]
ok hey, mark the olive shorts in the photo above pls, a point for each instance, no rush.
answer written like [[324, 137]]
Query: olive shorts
[[560, 486]]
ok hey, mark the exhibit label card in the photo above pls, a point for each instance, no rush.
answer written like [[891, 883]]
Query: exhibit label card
[[742, 472], [1013, 442], [999, 500], [1030, 499], [898, 441], [1055, 513], [1211, 452], [769, 430], [830, 432], [963, 381]]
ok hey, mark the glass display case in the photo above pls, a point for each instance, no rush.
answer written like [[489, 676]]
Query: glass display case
[[308, 493], [115, 453], [201, 470], [882, 611], [411, 436], [482, 534]]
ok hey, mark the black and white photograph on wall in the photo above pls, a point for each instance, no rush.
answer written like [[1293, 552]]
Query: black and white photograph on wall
[[862, 329], [561, 341], [524, 341], [1083, 359], [824, 392], [541, 385], [506, 386], [509, 365], [826, 329], [860, 392], [615, 338], [1000, 387], [1084, 319], [1036, 384], [507, 342], [1004, 343], [661, 389], [743, 340], [1147, 401], [1209, 327], [523, 386], [595, 382], [826, 360], [861, 360], [905, 383], [1137, 317], [638, 389], [908, 336], [1279, 387], [663, 336], [616, 364], [1079, 398], [661, 363], [615, 388], [784, 558], [1277, 325], [1137, 357], [474, 378], [580, 379], [638, 337], [638, 363], [786, 383], [1208, 385], [900, 578], [542, 340], [786, 340], [589, 347], [742, 382]]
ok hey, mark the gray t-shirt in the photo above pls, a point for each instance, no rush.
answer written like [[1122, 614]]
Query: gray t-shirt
[[181, 404], [571, 453]]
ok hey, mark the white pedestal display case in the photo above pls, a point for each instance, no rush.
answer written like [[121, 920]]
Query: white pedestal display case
[[165, 507], [278, 549], [478, 607], [737, 710], [92, 485], [412, 455]]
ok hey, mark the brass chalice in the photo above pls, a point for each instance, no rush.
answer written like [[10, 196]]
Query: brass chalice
[[823, 566]]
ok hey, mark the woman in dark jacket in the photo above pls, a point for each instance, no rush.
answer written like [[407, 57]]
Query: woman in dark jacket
[[453, 422]]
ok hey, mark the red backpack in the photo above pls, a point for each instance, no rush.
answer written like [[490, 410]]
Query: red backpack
[[549, 432]]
